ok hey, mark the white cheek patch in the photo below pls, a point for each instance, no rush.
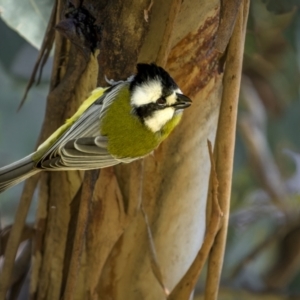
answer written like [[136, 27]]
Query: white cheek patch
[[159, 118], [146, 93]]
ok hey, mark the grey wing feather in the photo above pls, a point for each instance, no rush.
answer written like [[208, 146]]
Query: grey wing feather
[[16, 172], [82, 146]]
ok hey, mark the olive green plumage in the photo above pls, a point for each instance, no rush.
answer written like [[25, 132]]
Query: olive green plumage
[[114, 125], [128, 137]]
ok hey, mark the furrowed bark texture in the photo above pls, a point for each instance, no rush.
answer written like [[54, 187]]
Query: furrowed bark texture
[[112, 260]]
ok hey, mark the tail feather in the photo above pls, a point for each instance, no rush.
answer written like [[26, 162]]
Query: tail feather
[[16, 172]]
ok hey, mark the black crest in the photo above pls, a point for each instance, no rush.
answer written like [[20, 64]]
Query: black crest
[[146, 72]]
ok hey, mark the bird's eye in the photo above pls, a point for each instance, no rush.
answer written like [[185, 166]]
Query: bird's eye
[[161, 101]]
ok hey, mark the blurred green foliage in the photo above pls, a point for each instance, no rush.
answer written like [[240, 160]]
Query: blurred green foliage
[[272, 108], [18, 130]]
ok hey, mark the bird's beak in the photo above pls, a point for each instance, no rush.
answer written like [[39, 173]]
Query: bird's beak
[[182, 101]]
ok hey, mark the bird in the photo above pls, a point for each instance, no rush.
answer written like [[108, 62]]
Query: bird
[[118, 124]]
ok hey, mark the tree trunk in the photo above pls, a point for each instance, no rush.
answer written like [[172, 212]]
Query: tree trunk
[[92, 239]]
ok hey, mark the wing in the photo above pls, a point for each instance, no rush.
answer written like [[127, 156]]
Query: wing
[[80, 146]]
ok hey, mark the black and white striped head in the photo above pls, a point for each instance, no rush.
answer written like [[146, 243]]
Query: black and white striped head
[[155, 97]]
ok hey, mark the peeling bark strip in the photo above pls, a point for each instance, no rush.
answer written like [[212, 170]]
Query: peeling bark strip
[[196, 53], [225, 142], [15, 237], [229, 10], [187, 284], [43, 54]]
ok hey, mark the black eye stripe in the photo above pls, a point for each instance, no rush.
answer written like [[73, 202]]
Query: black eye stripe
[[161, 101], [145, 111]]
